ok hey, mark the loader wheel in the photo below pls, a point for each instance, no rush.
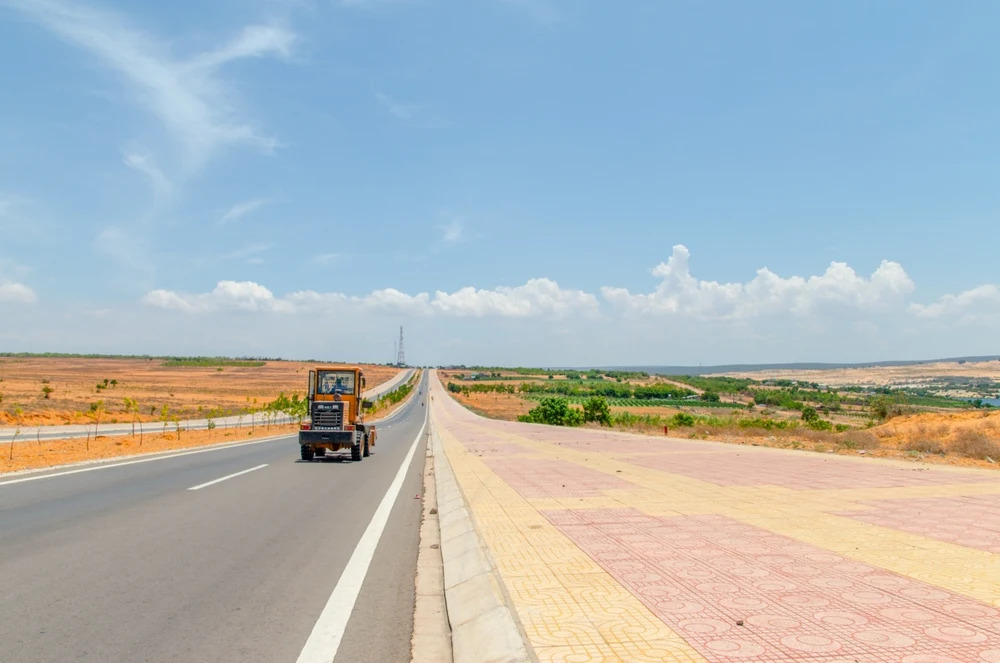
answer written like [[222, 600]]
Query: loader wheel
[[320, 453], [356, 452], [367, 451], [307, 453]]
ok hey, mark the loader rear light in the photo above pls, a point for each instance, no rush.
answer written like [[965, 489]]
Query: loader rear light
[[305, 425], [349, 427]]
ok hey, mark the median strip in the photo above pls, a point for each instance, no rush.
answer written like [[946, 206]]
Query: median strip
[[228, 476]]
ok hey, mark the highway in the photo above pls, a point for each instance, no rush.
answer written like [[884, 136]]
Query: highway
[[227, 554]]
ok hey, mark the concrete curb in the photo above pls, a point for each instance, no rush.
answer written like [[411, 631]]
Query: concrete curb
[[484, 625], [431, 633]]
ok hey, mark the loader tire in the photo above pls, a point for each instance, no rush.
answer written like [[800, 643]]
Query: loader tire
[[367, 451], [356, 452], [307, 453]]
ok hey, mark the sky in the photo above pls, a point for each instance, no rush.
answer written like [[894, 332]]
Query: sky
[[515, 182]]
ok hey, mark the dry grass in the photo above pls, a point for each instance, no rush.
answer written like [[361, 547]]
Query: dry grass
[[187, 391], [925, 445], [859, 439], [49, 453], [973, 444]]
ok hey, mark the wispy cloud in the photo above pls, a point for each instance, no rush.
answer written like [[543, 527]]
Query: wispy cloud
[[145, 164], [328, 258], [395, 108], [541, 11], [187, 96], [418, 114], [127, 249], [372, 4], [239, 210], [248, 251], [453, 232]]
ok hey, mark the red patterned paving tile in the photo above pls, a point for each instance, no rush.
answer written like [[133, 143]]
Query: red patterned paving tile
[[533, 478], [799, 472], [703, 574], [973, 522]]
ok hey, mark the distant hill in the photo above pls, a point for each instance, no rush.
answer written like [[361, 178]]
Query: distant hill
[[745, 368]]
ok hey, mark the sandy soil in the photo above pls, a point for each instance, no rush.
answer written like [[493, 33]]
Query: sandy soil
[[188, 392], [883, 375], [29, 454], [26, 453]]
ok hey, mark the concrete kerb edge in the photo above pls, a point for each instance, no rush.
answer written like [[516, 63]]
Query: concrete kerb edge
[[485, 629]]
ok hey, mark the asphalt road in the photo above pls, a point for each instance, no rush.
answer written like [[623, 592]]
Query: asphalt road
[[128, 563]]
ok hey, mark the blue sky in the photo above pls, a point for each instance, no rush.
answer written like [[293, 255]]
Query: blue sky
[[515, 181]]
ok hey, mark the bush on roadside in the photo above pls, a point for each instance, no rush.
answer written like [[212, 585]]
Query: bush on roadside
[[926, 445], [859, 439], [596, 409], [973, 444], [682, 419], [554, 412]]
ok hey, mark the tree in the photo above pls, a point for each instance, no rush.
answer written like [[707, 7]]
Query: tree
[[710, 396], [96, 410], [47, 391], [17, 431], [554, 412], [810, 415], [596, 409]]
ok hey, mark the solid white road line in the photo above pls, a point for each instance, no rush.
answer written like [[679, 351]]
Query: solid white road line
[[142, 460], [228, 476], [324, 641]]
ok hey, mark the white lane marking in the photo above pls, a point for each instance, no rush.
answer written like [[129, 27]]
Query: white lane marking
[[141, 460], [228, 476], [324, 641]]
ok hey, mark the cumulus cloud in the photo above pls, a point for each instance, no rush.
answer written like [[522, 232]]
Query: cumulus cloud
[[972, 305], [17, 293], [227, 295], [679, 293], [537, 297]]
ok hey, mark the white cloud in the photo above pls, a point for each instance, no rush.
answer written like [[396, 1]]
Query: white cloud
[[537, 297], [972, 305], [239, 210], [681, 294], [17, 293], [186, 96], [227, 295]]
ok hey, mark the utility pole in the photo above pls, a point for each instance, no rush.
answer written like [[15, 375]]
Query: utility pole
[[401, 355]]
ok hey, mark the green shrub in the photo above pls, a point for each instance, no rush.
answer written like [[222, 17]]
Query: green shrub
[[554, 412], [596, 409], [682, 419]]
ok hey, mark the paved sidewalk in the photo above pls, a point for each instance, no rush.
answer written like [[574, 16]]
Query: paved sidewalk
[[616, 547]]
